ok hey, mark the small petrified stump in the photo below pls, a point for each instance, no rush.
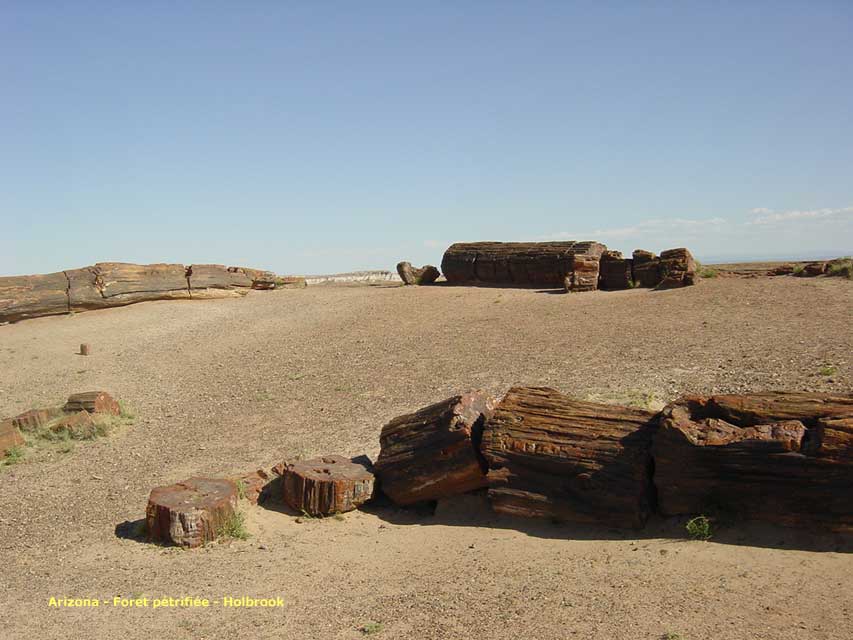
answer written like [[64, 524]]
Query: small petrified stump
[[93, 402], [434, 452], [10, 437], [677, 269], [253, 484], [413, 276], [555, 457], [190, 513], [328, 485], [783, 457], [85, 349]]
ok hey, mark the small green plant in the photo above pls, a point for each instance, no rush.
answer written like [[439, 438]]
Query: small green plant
[[241, 489], [125, 411], [370, 628], [699, 528], [841, 268], [670, 635], [798, 269], [234, 527], [708, 272], [307, 516], [14, 455], [828, 370], [632, 284], [339, 516]]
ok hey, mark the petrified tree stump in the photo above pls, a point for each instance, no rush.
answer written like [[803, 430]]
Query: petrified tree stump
[[781, 457], [10, 437], [93, 402], [434, 452], [85, 349], [646, 268], [413, 276], [327, 485], [190, 513], [615, 271], [556, 457], [677, 269]]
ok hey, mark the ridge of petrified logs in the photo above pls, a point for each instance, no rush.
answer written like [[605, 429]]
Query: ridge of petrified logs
[[524, 264], [783, 457], [646, 268], [327, 485], [93, 402], [413, 276], [677, 269], [191, 512], [552, 456], [434, 453], [615, 271], [10, 436]]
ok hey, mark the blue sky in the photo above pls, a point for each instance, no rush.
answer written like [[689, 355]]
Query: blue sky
[[318, 137]]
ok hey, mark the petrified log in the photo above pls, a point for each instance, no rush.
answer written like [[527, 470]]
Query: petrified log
[[524, 264], [10, 437], [78, 426], [677, 269], [35, 419], [645, 268], [413, 276], [190, 513], [584, 266], [93, 402], [290, 282], [328, 485], [23, 297], [216, 276], [615, 271], [781, 457], [781, 270], [552, 456], [123, 283], [434, 452], [812, 269]]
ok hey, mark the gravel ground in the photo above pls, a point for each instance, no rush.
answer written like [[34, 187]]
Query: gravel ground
[[227, 386]]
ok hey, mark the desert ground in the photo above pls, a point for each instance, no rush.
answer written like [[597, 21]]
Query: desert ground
[[222, 387]]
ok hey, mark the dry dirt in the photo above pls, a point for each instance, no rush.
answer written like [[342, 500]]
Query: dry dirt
[[227, 386]]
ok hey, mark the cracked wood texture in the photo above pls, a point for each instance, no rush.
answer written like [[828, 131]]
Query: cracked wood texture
[[327, 485], [524, 264], [555, 457], [434, 452], [410, 275], [783, 457], [190, 513], [93, 402]]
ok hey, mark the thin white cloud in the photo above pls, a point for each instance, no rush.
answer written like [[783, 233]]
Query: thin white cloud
[[436, 244], [768, 216], [646, 227]]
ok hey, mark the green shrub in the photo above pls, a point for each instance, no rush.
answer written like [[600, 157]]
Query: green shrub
[[828, 370], [699, 528], [14, 455], [370, 628], [234, 527], [708, 272]]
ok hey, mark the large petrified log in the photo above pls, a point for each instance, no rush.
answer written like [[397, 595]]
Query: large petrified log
[[123, 283], [677, 269], [646, 268], [413, 276], [783, 457], [190, 513], [615, 271], [524, 264], [23, 297], [552, 456], [327, 485], [216, 276], [434, 452]]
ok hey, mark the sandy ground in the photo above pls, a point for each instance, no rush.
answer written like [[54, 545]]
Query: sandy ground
[[226, 386]]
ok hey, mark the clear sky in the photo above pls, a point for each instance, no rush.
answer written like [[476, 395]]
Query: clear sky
[[314, 137]]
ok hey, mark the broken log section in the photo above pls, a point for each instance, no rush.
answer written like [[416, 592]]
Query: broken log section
[[327, 485], [192, 512]]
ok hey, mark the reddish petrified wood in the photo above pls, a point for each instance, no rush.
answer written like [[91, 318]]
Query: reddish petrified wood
[[784, 457], [252, 484], [434, 452], [677, 269], [552, 456], [413, 276], [35, 419], [645, 268], [79, 426], [10, 437], [328, 485], [93, 402], [190, 513], [614, 271]]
